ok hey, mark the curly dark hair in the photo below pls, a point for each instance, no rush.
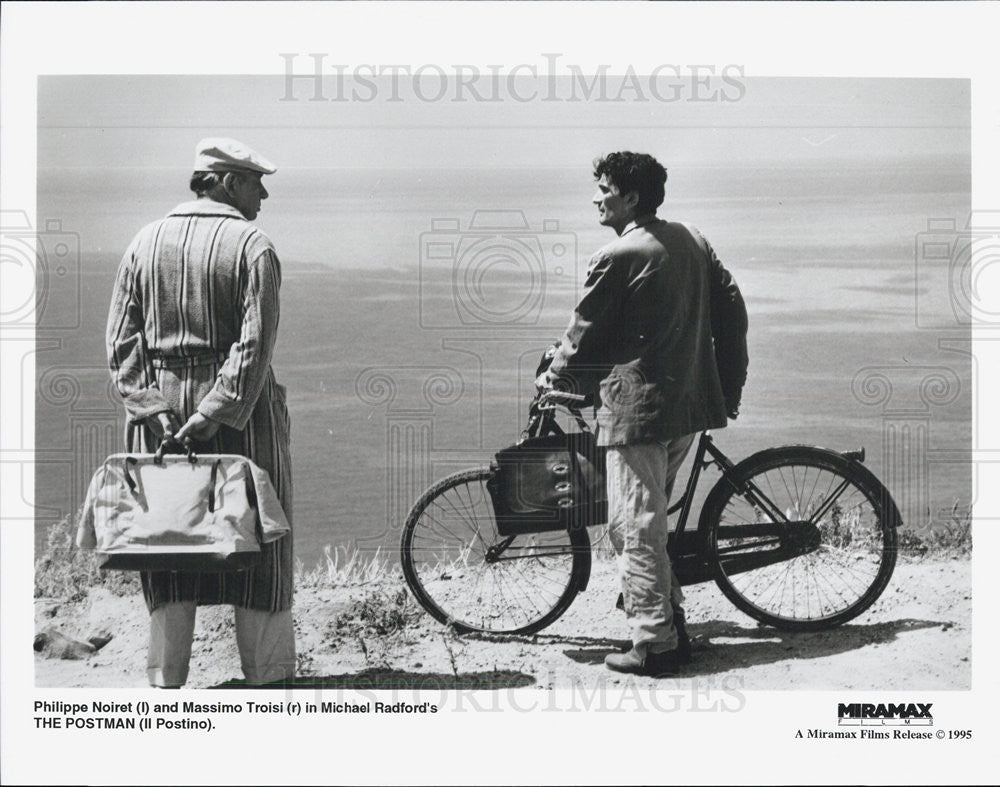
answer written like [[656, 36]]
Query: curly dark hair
[[638, 172]]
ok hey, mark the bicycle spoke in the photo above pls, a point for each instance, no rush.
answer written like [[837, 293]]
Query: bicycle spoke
[[511, 590], [839, 562], [482, 490], [437, 523], [525, 595], [828, 503], [792, 498], [475, 529], [812, 492]]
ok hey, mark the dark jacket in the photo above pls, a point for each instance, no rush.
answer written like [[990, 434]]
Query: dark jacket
[[642, 335]]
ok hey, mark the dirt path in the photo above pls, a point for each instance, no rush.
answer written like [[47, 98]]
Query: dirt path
[[917, 636]]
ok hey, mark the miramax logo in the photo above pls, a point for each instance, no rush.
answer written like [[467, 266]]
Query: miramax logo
[[868, 713]]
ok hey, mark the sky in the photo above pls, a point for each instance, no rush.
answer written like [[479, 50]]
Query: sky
[[116, 151], [153, 121]]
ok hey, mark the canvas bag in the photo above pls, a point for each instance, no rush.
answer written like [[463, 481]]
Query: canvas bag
[[554, 482], [175, 512]]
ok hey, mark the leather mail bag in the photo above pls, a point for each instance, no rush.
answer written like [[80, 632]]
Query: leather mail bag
[[543, 484]]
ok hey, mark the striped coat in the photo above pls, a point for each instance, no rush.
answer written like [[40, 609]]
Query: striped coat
[[192, 325]]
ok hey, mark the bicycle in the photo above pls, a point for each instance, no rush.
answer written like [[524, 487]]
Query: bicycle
[[797, 537]]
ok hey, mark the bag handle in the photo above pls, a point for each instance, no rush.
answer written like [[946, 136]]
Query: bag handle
[[168, 441], [175, 446]]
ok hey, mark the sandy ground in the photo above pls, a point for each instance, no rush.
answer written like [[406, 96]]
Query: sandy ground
[[917, 636]]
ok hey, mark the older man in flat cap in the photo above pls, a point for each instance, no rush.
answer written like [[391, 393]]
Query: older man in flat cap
[[190, 335]]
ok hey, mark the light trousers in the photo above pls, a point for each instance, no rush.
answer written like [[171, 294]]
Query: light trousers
[[266, 643], [640, 479]]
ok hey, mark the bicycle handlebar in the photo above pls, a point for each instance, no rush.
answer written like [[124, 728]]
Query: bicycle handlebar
[[554, 394], [543, 407]]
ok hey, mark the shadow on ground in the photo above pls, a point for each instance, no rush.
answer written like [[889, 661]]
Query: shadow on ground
[[748, 647], [548, 639], [399, 679]]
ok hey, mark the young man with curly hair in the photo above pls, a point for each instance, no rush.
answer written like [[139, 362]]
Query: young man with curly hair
[[660, 337]]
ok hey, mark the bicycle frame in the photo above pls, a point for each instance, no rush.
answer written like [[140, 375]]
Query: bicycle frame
[[789, 538], [684, 547], [829, 509], [544, 423]]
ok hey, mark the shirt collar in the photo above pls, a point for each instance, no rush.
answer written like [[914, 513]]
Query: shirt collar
[[206, 207], [638, 221]]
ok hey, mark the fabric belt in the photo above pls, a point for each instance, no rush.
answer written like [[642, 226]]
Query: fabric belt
[[182, 361]]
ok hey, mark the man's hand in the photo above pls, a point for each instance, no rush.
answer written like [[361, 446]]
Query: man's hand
[[546, 360], [163, 425], [199, 428]]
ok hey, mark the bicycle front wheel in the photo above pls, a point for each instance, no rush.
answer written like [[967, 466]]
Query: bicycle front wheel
[[464, 573], [801, 538]]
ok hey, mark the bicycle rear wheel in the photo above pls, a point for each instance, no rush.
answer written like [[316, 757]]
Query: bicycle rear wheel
[[801, 538], [464, 573]]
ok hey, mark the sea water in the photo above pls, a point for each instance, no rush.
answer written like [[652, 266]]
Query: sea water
[[415, 304]]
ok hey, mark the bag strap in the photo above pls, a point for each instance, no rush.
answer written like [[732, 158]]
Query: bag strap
[[211, 485], [583, 444], [251, 489], [133, 486], [578, 417], [130, 460]]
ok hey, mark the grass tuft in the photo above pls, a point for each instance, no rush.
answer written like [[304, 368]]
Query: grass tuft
[[342, 566], [950, 537], [66, 572], [379, 622]]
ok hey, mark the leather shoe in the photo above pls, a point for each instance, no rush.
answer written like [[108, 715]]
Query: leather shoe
[[683, 640], [655, 665]]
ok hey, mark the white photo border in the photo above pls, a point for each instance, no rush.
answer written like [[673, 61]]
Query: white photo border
[[896, 39]]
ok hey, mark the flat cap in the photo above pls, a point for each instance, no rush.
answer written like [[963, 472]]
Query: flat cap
[[221, 154]]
